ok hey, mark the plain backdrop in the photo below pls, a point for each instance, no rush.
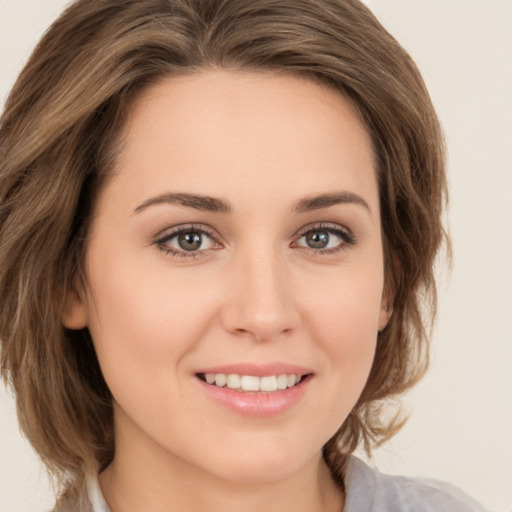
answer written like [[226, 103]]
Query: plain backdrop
[[460, 428]]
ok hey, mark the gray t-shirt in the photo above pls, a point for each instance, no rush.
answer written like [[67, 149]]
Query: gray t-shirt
[[368, 490]]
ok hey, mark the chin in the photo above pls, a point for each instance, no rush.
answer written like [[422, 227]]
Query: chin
[[266, 466]]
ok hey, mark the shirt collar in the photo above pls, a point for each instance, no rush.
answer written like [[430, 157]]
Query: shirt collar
[[95, 496]]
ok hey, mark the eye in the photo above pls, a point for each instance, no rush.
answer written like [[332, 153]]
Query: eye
[[325, 238], [319, 239], [190, 240], [187, 242]]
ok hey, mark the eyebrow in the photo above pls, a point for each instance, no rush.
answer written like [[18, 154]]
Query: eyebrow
[[326, 200], [198, 202], [215, 205]]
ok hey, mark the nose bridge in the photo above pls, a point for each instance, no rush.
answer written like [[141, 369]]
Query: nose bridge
[[261, 301]]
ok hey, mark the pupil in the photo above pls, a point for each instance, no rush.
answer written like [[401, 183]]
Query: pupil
[[189, 241], [317, 239]]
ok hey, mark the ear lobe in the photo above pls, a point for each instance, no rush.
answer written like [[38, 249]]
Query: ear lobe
[[386, 306], [391, 277], [386, 310], [74, 315]]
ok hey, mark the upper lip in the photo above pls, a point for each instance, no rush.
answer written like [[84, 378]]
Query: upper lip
[[257, 370]]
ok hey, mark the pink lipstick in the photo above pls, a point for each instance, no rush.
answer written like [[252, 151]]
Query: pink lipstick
[[255, 390]]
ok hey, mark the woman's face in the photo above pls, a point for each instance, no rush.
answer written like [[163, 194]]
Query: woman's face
[[239, 240]]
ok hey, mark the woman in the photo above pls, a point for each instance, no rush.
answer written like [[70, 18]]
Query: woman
[[239, 204]]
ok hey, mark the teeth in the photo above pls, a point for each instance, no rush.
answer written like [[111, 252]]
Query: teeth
[[251, 383], [268, 383], [220, 379], [282, 381], [233, 381]]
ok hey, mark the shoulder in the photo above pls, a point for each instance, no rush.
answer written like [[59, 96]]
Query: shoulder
[[368, 490]]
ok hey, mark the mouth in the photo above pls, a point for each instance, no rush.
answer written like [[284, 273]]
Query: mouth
[[252, 383], [256, 391]]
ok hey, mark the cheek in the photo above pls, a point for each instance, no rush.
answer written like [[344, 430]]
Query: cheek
[[144, 322], [343, 319], [346, 304]]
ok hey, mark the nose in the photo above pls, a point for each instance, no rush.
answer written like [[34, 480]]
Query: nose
[[261, 304]]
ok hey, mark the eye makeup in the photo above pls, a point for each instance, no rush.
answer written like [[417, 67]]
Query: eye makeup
[[197, 240], [324, 238], [188, 241]]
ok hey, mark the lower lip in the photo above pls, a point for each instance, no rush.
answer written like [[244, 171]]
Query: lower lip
[[257, 404]]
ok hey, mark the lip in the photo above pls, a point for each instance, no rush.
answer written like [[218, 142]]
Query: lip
[[256, 404], [258, 370]]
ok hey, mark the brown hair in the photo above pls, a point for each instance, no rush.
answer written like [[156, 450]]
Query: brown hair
[[57, 144]]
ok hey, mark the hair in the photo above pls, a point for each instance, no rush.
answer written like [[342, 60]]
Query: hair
[[58, 144]]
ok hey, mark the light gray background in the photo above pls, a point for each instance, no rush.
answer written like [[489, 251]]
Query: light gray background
[[461, 424]]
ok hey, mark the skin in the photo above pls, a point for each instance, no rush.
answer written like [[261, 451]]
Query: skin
[[255, 291]]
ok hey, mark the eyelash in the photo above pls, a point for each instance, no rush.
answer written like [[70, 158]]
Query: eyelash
[[189, 228], [347, 237]]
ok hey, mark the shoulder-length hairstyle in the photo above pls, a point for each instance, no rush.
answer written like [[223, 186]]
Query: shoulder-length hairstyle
[[58, 143]]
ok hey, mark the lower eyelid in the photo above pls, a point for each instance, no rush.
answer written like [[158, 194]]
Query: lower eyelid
[[165, 237], [182, 254]]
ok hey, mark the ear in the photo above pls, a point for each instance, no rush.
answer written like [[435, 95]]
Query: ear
[[391, 277], [386, 304], [386, 310], [74, 315]]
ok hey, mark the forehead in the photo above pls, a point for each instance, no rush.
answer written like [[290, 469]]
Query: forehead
[[226, 133]]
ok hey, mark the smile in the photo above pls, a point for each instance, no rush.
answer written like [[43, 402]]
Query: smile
[[244, 383]]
